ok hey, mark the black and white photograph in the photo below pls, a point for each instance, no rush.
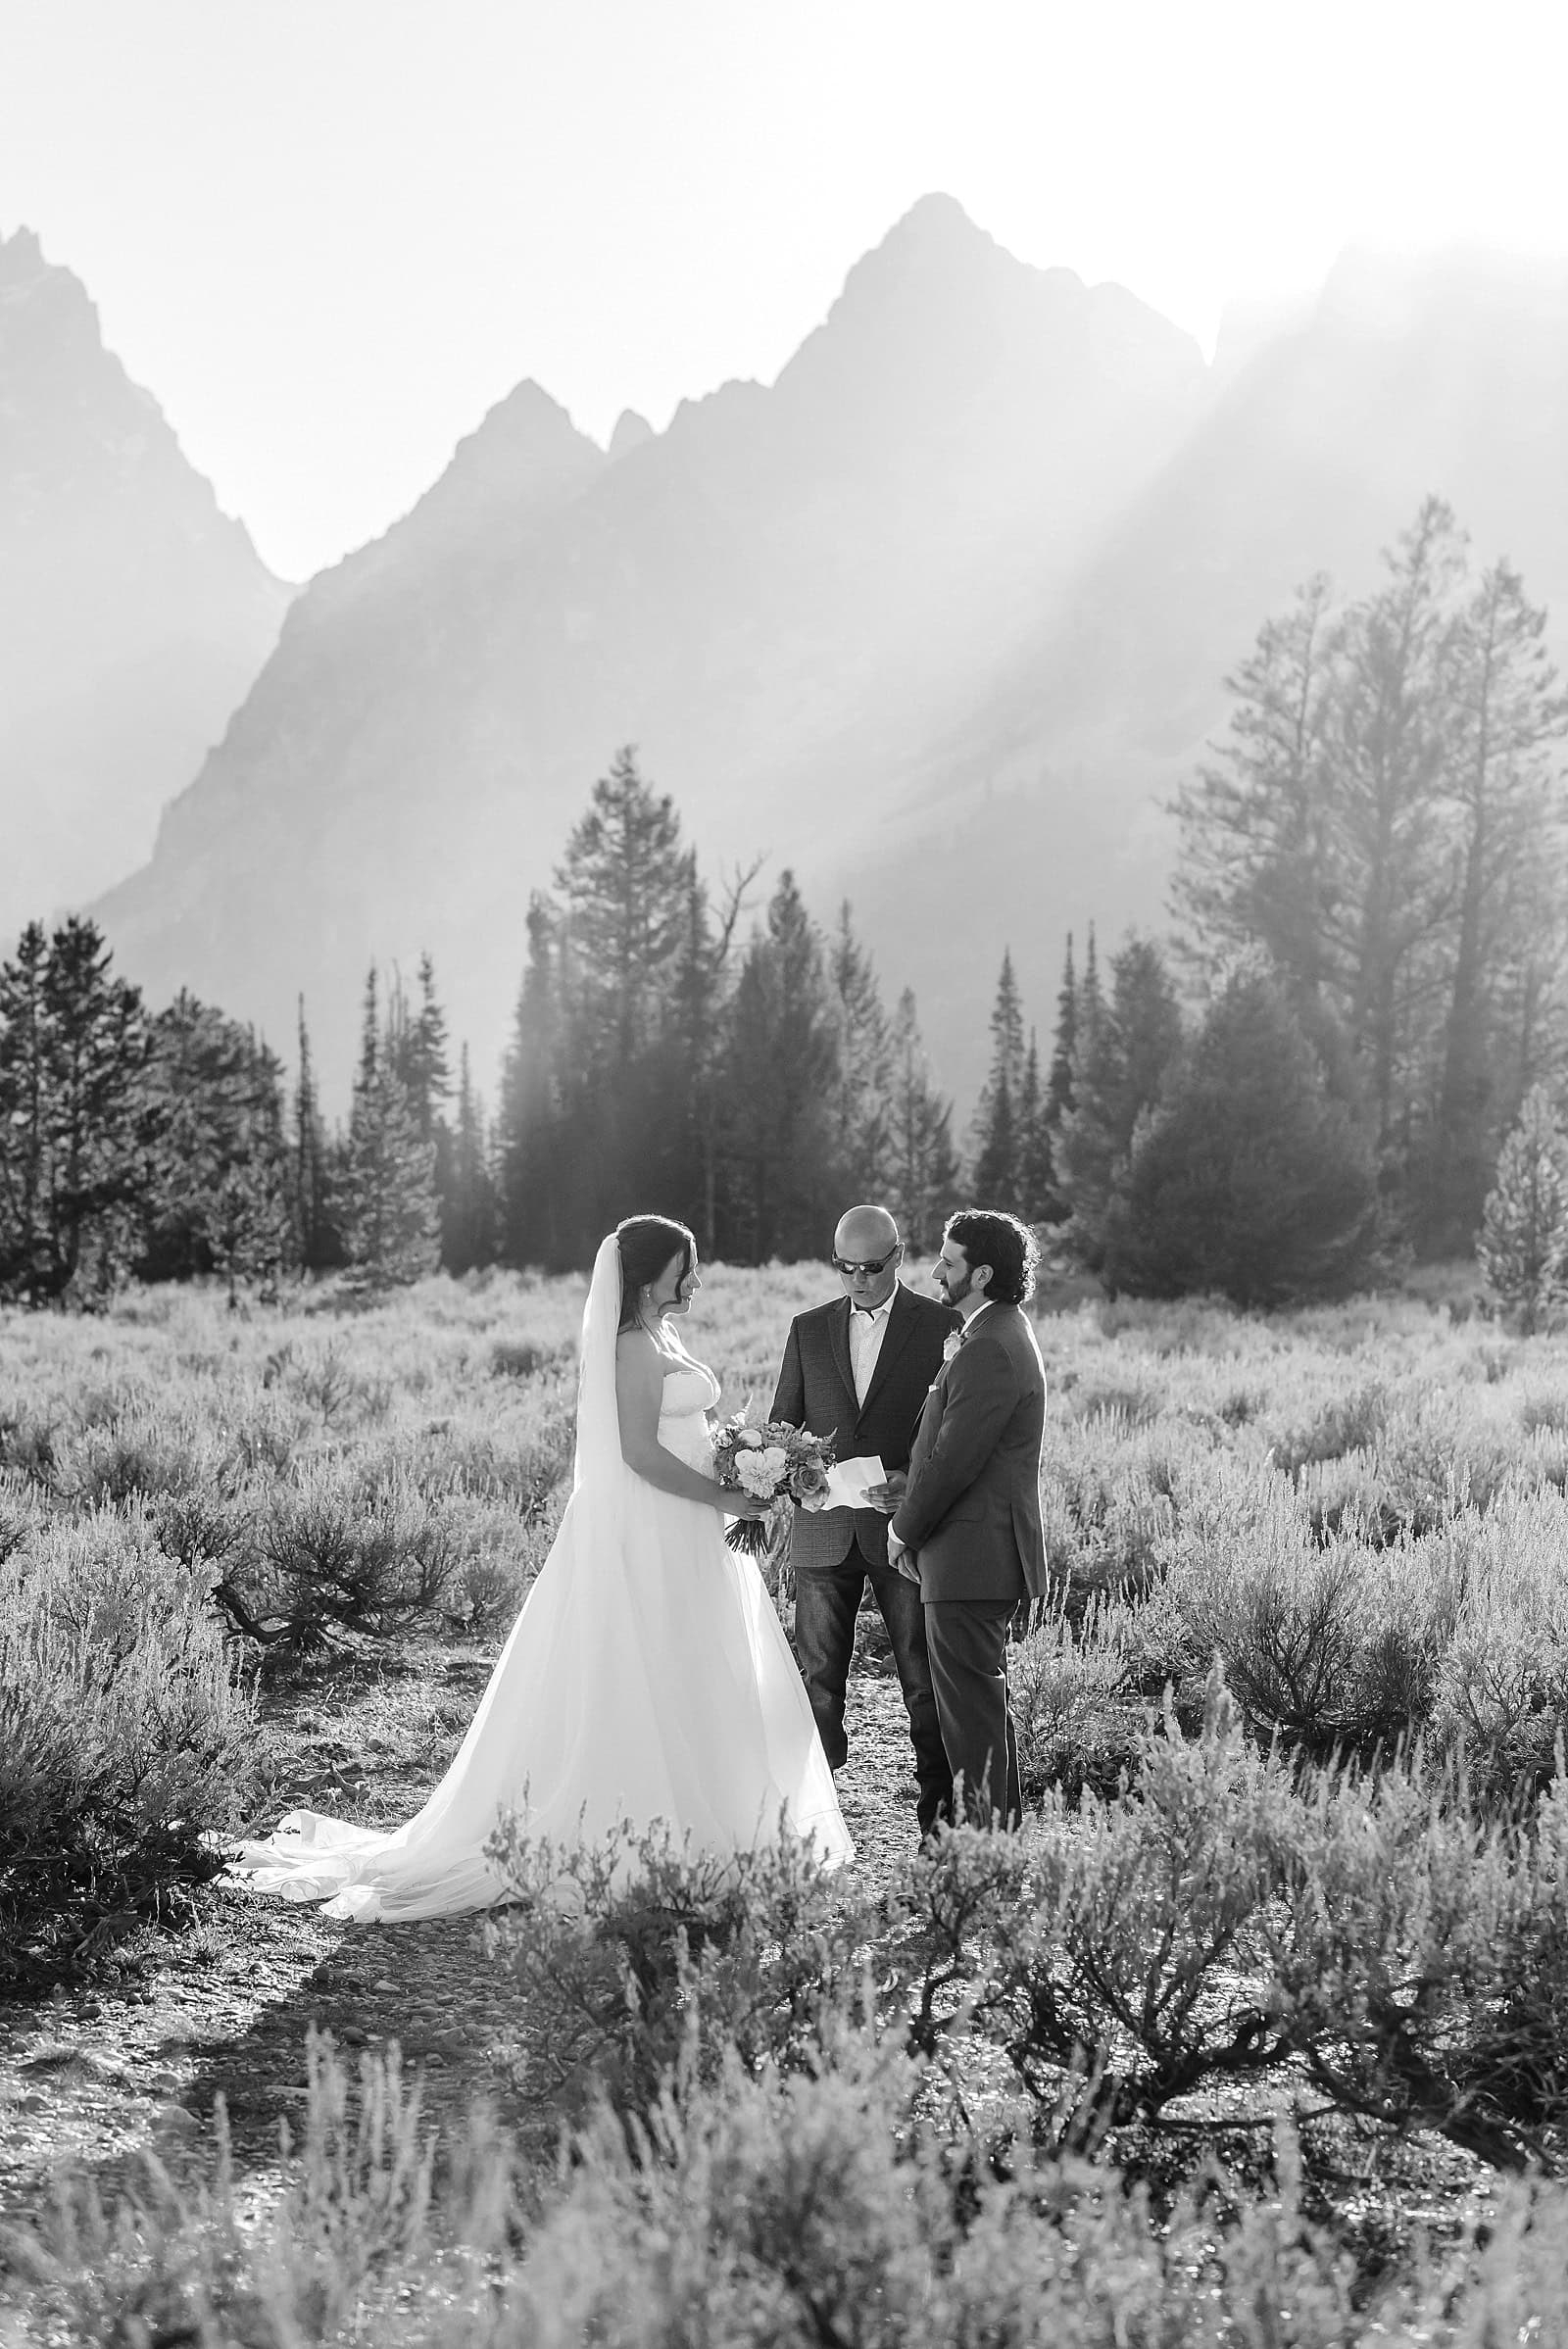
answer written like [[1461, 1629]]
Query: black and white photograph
[[783, 1175]]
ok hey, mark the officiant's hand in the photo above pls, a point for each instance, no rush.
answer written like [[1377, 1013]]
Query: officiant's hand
[[887, 1496]]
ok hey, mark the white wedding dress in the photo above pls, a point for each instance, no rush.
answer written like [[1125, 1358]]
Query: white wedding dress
[[647, 1680]]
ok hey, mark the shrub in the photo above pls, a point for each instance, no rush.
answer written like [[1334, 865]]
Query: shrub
[[1422, 1970], [125, 1735], [792, 2210], [1108, 1507], [341, 1549], [1108, 1966], [125, 1461], [28, 1443], [1231, 1914], [185, 2262], [1351, 1422], [640, 1959], [1522, 1248], [1499, 1607], [1076, 1705], [521, 1357]]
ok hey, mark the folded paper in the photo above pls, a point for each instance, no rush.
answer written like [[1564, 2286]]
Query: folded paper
[[847, 1480]]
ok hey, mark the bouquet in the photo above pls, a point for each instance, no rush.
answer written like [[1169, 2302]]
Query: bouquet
[[773, 1461]]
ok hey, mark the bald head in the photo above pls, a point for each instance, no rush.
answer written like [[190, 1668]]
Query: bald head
[[867, 1235]]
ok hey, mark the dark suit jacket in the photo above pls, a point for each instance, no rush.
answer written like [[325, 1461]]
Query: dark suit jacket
[[971, 1511], [817, 1391]]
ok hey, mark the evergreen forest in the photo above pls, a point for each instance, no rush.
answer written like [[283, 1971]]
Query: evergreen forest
[[1311, 1076]]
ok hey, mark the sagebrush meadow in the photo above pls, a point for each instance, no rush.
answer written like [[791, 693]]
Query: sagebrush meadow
[[1296, 1857]]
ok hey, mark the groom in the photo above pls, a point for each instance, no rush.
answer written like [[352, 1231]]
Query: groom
[[858, 1368], [967, 1525]]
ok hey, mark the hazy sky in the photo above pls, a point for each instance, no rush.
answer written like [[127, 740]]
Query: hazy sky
[[329, 233]]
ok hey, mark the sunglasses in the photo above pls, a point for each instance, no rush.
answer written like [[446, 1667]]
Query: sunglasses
[[842, 1264]]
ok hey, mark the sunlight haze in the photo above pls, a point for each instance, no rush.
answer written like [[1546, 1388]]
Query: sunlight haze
[[328, 239]]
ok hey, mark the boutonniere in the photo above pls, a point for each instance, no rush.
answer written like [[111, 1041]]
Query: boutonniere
[[951, 1344]]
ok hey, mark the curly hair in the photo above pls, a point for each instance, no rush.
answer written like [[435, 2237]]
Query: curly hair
[[987, 1236], [646, 1244]]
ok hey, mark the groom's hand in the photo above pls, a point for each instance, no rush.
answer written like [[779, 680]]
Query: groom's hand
[[903, 1558]]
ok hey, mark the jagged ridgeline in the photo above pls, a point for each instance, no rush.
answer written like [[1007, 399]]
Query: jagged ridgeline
[[133, 615], [964, 581], [786, 599]]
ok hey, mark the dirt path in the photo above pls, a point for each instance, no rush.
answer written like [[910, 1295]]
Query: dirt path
[[91, 2076]]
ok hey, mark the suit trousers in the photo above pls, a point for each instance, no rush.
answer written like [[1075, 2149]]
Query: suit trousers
[[827, 1600], [967, 1643]]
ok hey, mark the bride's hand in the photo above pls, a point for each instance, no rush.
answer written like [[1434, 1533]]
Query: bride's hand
[[735, 1504]]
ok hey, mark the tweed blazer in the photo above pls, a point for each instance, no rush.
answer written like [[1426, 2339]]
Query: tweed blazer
[[817, 1391], [971, 1509]]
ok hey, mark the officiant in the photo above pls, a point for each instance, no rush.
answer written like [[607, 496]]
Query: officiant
[[858, 1368]]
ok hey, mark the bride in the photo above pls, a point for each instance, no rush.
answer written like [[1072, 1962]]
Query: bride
[[646, 1677]]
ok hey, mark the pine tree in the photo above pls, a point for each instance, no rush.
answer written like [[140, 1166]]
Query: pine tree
[[1387, 751], [620, 923], [1059, 1081], [318, 1241], [387, 1209], [469, 1201], [1058, 1105], [924, 1166], [1523, 1248], [416, 1044], [1502, 753], [692, 1119], [779, 1074], [1384, 820], [1257, 862], [860, 1106], [999, 1139], [1125, 1053], [1250, 1176], [996, 1164], [694, 1042], [28, 1247], [74, 1172], [248, 1221], [623, 888], [220, 1181], [1091, 1008], [1037, 1170], [529, 1170]]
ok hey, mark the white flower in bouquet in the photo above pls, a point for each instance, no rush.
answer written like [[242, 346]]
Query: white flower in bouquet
[[776, 1463]]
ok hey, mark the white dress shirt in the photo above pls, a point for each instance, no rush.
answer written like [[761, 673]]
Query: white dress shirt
[[866, 1332]]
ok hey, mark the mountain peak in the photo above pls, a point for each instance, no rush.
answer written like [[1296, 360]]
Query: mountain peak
[[631, 430], [21, 257], [524, 448], [525, 421], [42, 305], [936, 216], [935, 237]]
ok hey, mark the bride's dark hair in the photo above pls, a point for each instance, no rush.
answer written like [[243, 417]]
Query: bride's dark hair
[[645, 1244]]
